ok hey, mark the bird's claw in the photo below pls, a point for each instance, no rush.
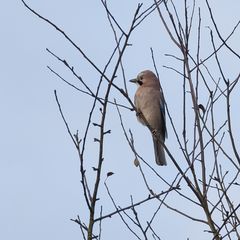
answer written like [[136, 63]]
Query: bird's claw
[[154, 133], [138, 114]]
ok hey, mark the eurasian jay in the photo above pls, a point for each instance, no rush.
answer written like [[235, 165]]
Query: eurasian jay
[[149, 102]]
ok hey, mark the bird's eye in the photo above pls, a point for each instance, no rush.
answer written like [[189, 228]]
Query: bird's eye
[[140, 82]]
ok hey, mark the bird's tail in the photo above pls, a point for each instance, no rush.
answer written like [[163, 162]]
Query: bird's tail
[[159, 152]]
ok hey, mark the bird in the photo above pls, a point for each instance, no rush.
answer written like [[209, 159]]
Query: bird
[[150, 103]]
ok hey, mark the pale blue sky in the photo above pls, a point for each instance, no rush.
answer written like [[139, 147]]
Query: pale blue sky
[[39, 173]]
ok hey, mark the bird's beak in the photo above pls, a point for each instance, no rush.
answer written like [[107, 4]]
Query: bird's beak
[[133, 80]]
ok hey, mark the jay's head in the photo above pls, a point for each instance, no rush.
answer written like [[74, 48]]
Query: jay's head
[[146, 78]]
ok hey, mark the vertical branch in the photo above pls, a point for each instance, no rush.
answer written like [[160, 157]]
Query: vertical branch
[[102, 129], [230, 125], [110, 18], [165, 24]]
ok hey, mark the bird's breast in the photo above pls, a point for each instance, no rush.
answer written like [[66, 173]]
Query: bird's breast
[[147, 102]]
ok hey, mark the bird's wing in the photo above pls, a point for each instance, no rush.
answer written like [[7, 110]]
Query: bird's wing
[[163, 116]]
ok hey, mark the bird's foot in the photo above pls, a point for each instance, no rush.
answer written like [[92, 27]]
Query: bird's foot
[[154, 133], [139, 115]]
